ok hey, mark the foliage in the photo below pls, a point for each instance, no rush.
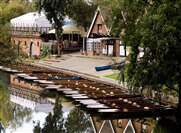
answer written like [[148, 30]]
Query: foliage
[[7, 54], [8, 10], [5, 117], [37, 128], [157, 32], [114, 76], [56, 10], [127, 14], [165, 125], [45, 51], [19, 115], [77, 122], [154, 26], [82, 12], [11, 115], [54, 121]]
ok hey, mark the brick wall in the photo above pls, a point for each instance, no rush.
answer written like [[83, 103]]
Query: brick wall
[[25, 44]]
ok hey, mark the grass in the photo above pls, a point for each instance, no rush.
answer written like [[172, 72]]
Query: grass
[[114, 76]]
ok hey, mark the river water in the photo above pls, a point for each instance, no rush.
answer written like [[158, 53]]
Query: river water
[[25, 111]]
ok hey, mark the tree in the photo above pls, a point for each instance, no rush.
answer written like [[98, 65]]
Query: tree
[[56, 10], [8, 10], [127, 14], [11, 115], [77, 122], [54, 121], [82, 12], [156, 29]]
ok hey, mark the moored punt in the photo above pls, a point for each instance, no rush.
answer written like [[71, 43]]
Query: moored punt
[[80, 97], [53, 87], [30, 78], [87, 101], [9, 70], [43, 81], [70, 92], [72, 95], [100, 106], [15, 71], [108, 110], [22, 75], [77, 96], [64, 89], [92, 107]]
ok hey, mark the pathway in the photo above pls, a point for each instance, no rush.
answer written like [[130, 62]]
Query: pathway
[[83, 65]]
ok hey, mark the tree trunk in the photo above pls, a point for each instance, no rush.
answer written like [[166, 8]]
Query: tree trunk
[[59, 42], [178, 113], [58, 48]]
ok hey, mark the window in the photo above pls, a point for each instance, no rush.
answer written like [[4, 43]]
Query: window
[[38, 44], [99, 28], [119, 123]]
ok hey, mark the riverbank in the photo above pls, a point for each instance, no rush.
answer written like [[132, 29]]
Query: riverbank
[[84, 66]]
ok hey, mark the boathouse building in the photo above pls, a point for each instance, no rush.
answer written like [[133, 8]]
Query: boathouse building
[[26, 31], [99, 41]]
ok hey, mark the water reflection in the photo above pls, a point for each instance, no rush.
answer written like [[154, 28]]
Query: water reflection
[[11, 115], [20, 115], [5, 107], [76, 122]]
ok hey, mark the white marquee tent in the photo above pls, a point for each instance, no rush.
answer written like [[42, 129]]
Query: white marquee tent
[[32, 19]]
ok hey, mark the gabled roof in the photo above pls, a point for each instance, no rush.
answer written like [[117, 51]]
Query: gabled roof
[[129, 128], [94, 20]]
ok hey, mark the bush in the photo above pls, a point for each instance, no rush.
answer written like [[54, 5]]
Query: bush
[[7, 54], [45, 51]]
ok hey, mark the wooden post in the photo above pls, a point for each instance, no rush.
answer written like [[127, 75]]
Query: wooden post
[[125, 53], [19, 48], [83, 48]]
